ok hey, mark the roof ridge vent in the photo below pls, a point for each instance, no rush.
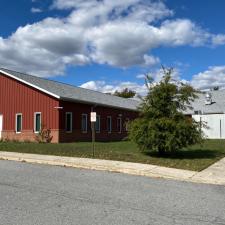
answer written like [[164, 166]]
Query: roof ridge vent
[[208, 98]]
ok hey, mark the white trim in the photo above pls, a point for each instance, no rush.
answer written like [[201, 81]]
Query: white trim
[[98, 131], [71, 122], [32, 85], [36, 132], [127, 120], [1, 125], [109, 131], [83, 131], [19, 114], [120, 124]]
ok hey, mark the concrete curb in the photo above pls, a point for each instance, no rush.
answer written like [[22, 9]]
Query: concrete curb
[[112, 166]]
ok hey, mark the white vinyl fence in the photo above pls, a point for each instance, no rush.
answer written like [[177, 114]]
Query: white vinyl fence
[[215, 124]]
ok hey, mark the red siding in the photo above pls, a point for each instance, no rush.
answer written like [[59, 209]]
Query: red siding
[[78, 109], [16, 97]]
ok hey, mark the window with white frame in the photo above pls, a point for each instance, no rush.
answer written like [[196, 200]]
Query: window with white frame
[[69, 122], [109, 124], [119, 124], [18, 122], [84, 123], [37, 122], [97, 124], [126, 124]]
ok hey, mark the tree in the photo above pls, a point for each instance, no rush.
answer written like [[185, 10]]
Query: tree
[[162, 126], [125, 93]]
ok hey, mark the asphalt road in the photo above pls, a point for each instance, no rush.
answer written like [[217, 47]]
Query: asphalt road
[[50, 195]]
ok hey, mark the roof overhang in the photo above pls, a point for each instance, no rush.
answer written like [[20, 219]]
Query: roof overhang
[[29, 84], [97, 104], [63, 98]]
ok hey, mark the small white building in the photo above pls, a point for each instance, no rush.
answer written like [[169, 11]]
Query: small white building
[[210, 108]]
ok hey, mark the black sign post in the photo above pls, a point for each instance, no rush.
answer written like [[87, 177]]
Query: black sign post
[[93, 138]]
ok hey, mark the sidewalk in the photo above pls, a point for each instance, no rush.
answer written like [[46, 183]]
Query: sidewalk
[[213, 174]]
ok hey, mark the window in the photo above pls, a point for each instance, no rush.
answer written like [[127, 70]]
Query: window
[[37, 122], [198, 112], [126, 124], [119, 124], [109, 124], [97, 124], [84, 123], [18, 122], [69, 125]]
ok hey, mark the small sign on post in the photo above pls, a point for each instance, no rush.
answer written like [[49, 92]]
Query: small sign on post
[[93, 116], [93, 120]]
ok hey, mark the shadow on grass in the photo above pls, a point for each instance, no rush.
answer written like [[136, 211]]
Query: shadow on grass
[[186, 154]]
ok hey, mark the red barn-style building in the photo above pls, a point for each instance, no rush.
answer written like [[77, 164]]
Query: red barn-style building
[[29, 102]]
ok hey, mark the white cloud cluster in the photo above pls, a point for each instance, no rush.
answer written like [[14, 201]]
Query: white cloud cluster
[[114, 32], [157, 75], [214, 76], [36, 10], [141, 76], [102, 86], [218, 39], [139, 88]]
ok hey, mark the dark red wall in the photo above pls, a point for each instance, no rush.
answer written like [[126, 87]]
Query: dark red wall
[[16, 97], [78, 109]]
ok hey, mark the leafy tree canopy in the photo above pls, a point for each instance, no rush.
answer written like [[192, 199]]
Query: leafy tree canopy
[[125, 93], [162, 125]]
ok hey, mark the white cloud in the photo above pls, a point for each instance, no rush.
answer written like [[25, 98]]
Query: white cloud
[[140, 89], [36, 10], [132, 10], [151, 60], [218, 39], [214, 76], [182, 32], [102, 86], [43, 48], [141, 76], [98, 86], [158, 74], [114, 32], [121, 44]]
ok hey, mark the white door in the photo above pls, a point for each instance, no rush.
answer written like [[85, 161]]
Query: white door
[[1, 126]]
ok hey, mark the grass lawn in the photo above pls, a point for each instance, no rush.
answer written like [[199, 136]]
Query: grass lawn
[[196, 158]]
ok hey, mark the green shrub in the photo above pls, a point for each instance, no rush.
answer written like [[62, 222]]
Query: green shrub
[[44, 136], [162, 126]]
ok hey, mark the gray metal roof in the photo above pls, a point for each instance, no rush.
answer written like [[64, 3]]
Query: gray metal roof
[[72, 93], [217, 106]]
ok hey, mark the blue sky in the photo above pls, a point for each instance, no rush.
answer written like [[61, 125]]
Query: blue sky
[[107, 45]]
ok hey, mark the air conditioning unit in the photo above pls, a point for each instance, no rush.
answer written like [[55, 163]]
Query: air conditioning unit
[[208, 98]]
